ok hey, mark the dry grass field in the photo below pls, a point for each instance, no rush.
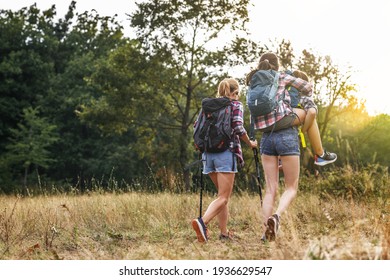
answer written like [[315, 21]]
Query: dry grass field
[[139, 226]]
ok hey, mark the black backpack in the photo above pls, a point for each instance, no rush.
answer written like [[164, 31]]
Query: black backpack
[[213, 129]]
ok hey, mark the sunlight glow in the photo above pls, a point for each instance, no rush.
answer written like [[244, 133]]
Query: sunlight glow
[[352, 33]]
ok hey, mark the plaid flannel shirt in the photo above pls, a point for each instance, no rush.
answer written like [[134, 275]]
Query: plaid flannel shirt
[[284, 107], [307, 102], [239, 130]]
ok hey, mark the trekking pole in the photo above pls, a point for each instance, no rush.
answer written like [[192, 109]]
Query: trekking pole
[[198, 181], [257, 162], [201, 192]]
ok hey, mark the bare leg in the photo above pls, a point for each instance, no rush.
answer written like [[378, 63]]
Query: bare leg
[[311, 128], [224, 184], [271, 173], [309, 120], [224, 213], [291, 177], [301, 116], [315, 139]]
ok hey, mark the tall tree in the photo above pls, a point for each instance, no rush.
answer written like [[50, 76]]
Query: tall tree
[[84, 39], [333, 88], [30, 142], [25, 63], [126, 106], [45, 63], [197, 43]]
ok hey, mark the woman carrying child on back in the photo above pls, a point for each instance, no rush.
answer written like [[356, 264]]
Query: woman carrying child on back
[[287, 115], [280, 141]]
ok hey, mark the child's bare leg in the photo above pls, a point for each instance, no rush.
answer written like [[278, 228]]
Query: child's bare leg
[[315, 138], [301, 115], [311, 128], [311, 115]]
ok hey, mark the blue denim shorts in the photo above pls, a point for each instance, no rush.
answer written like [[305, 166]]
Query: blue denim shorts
[[219, 162], [283, 142]]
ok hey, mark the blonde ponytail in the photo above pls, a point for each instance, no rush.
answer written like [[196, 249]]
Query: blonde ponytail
[[228, 87]]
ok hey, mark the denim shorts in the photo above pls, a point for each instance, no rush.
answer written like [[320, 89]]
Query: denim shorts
[[219, 162], [283, 142]]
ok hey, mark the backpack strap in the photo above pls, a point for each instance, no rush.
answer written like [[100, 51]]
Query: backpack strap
[[233, 137]]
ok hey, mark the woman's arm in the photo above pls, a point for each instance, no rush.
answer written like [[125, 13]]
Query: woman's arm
[[301, 85]]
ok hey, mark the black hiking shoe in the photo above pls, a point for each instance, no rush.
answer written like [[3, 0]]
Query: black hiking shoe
[[325, 159], [272, 227]]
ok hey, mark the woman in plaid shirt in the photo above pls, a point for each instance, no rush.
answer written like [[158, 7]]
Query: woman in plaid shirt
[[222, 167], [280, 140]]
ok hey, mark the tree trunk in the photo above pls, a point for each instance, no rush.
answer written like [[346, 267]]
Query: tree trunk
[[184, 159], [184, 138], [25, 179]]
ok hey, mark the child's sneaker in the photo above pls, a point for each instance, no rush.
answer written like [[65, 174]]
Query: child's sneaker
[[272, 227], [200, 229], [325, 159]]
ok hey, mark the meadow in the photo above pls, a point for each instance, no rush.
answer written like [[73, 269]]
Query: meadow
[[146, 226]]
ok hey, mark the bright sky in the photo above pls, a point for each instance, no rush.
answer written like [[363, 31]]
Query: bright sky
[[351, 32]]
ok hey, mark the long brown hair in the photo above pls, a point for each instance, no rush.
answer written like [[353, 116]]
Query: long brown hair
[[268, 61]]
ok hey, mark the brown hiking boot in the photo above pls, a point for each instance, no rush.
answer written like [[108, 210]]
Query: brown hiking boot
[[272, 227]]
